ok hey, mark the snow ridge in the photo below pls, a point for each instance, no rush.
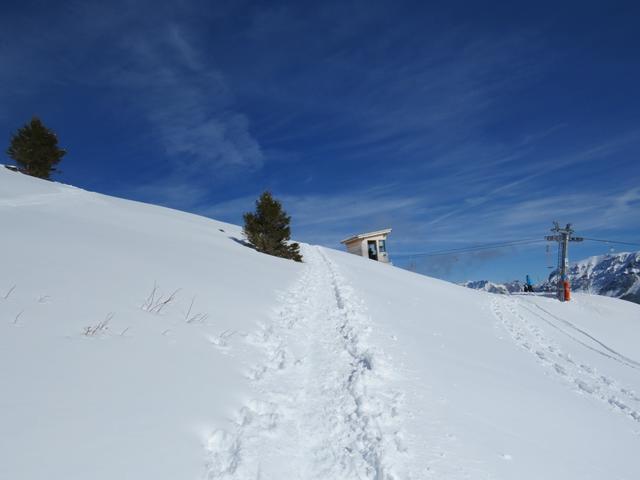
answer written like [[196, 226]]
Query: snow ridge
[[584, 378], [324, 410]]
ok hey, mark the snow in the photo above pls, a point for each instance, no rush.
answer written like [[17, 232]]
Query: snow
[[337, 368]]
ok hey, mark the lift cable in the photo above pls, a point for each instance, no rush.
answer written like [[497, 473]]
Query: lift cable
[[496, 245], [488, 246], [612, 241]]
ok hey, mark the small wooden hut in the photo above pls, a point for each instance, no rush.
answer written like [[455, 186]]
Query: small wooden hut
[[371, 245]]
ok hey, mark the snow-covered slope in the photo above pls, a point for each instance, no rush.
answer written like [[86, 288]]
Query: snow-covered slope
[[257, 367], [614, 275]]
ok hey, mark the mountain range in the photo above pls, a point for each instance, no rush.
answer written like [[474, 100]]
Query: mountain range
[[613, 275]]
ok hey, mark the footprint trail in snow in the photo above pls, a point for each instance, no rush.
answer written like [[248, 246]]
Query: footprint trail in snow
[[322, 408], [584, 378]]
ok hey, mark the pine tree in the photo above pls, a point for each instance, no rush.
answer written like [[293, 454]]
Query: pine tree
[[35, 149], [268, 229]]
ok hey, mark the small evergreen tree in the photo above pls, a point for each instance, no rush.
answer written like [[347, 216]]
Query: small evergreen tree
[[35, 149], [268, 229]]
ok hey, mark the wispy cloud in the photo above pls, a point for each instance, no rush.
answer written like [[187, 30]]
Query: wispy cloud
[[329, 216], [424, 222], [187, 103], [532, 217], [154, 66]]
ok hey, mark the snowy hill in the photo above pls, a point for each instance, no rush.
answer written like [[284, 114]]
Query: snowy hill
[[614, 275], [139, 342]]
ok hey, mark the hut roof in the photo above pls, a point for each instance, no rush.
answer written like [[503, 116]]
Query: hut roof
[[362, 236]]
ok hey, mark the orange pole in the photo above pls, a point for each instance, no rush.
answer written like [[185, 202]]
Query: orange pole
[[567, 291]]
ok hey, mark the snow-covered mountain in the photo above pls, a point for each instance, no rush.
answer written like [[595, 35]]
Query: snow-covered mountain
[[613, 275], [139, 342], [487, 286]]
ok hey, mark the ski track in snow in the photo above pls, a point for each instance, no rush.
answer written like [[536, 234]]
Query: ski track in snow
[[588, 338], [582, 377], [322, 408]]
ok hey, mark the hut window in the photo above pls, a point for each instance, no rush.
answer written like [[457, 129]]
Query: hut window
[[381, 246]]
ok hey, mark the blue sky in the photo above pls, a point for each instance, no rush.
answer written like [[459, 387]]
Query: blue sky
[[453, 123]]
